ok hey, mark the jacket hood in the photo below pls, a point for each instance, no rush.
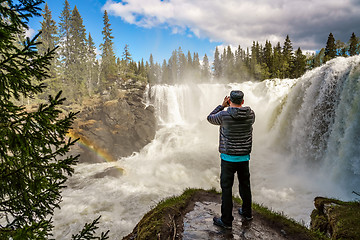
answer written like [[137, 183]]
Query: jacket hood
[[239, 113]]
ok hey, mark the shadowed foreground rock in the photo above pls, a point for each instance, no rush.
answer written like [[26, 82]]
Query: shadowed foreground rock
[[190, 216], [198, 224]]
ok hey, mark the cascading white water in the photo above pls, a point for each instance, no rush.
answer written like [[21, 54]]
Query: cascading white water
[[319, 124], [306, 139]]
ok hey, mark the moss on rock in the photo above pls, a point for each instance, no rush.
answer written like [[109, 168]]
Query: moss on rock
[[319, 221], [165, 221], [335, 218], [161, 222]]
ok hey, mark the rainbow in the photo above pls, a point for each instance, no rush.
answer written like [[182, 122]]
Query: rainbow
[[83, 141]]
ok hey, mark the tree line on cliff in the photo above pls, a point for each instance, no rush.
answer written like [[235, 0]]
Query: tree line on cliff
[[77, 71]]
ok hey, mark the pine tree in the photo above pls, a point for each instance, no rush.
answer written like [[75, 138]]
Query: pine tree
[[147, 71], [181, 59], [217, 65], [242, 72], [64, 36], [277, 62], [268, 55], [240, 53], [142, 70], [189, 62], [77, 75], [223, 64], [33, 164], [34, 159], [267, 60], [287, 58], [48, 38], [330, 49], [186, 63], [127, 55], [173, 68], [205, 70], [238, 62], [132, 71], [247, 59], [255, 68], [165, 73], [229, 65], [151, 76], [196, 74], [92, 66], [126, 66], [299, 66], [257, 52], [108, 63], [353, 45], [157, 71]]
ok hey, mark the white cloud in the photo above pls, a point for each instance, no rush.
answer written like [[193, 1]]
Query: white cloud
[[29, 33], [307, 22]]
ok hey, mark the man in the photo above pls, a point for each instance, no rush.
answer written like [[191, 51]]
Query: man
[[235, 144]]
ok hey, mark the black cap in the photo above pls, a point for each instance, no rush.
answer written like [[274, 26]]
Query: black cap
[[236, 96]]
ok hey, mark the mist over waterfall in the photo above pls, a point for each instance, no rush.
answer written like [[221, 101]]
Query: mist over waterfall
[[306, 144]]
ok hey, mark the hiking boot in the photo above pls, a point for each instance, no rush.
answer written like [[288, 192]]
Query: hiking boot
[[219, 222], [248, 218]]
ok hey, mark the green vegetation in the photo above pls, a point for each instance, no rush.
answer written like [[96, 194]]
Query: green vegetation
[[154, 223], [330, 49], [34, 159], [108, 64], [336, 218]]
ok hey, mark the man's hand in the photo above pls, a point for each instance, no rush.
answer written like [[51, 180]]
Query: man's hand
[[226, 102]]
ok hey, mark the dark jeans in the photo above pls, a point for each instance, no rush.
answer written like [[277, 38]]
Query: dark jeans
[[228, 169]]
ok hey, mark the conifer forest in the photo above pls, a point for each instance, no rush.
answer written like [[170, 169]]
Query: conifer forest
[[78, 71]]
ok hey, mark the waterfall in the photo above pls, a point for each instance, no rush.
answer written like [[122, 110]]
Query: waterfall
[[319, 124], [306, 138]]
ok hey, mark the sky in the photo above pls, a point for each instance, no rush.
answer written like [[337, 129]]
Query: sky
[[159, 27]]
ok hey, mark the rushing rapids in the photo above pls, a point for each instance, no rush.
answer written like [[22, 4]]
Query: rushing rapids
[[306, 139]]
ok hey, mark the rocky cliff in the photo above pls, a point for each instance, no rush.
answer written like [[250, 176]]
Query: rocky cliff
[[114, 127]]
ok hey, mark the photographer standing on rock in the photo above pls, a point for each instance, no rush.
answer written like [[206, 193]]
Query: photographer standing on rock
[[235, 144]]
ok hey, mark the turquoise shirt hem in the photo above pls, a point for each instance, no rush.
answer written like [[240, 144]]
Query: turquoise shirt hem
[[234, 158]]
